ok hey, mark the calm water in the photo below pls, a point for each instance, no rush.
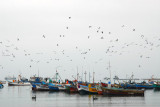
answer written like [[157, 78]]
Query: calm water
[[14, 96]]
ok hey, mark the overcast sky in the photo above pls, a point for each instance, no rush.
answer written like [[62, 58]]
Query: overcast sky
[[45, 35]]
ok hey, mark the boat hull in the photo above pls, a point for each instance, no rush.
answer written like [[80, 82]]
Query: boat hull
[[137, 86], [156, 86], [71, 89], [83, 92], [53, 88], [18, 84], [1, 86], [122, 92], [41, 88]]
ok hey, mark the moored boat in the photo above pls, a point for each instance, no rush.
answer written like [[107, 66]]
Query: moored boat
[[92, 89], [99, 90], [61, 87], [53, 87], [83, 90], [122, 92], [42, 87], [156, 86], [18, 84], [71, 88]]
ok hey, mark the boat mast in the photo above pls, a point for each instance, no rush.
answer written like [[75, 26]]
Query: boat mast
[[85, 76], [77, 73], [38, 72], [110, 71], [82, 73], [56, 75], [93, 77], [89, 77]]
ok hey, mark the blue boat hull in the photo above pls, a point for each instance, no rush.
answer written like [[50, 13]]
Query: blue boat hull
[[53, 88]]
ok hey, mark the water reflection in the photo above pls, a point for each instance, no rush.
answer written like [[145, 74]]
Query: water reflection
[[23, 96]]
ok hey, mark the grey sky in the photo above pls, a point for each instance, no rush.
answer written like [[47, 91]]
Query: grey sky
[[112, 23]]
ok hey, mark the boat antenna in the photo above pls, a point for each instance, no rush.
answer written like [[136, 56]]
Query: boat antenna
[[89, 77], [110, 71], [77, 73], [85, 76]]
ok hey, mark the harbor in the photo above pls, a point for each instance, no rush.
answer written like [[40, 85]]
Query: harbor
[[79, 53]]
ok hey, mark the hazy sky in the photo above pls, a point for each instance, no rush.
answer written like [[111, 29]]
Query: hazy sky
[[46, 35]]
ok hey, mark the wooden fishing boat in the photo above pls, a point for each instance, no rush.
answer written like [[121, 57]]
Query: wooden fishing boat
[[61, 87], [41, 88], [71, 89], [137, 86], [53, 87], [122, 92], [144, 86], [19, 84], [92, 89], [83, 90], [99, 90]]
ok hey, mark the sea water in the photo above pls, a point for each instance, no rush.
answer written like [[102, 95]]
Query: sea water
[[21, 96]]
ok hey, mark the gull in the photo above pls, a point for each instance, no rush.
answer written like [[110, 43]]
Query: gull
[[102, 38], [122, 25]]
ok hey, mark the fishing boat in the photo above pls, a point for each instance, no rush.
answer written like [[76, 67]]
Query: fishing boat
[[122, 92], [19, 84], [156, 86], [42, 87], [144, 85], [83, 90], [71, 88], [137, 85], [53, 87], [92, 89], [61, 87], [99, 90], [35, 79]]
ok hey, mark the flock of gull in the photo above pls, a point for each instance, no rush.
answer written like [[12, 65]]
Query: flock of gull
[[114, 46]]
